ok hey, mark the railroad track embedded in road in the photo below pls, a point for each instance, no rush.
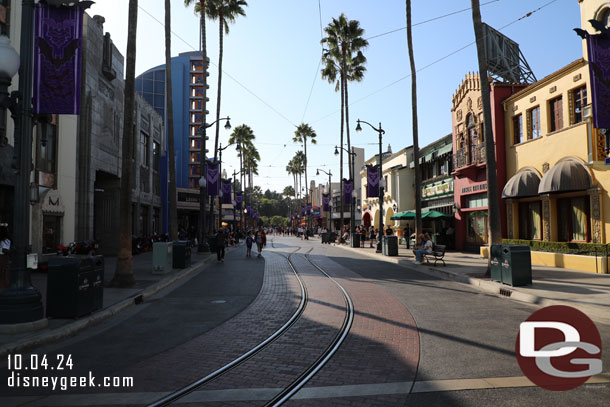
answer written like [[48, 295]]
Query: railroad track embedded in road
[[292, 388]]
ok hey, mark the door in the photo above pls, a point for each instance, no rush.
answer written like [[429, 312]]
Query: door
[[477, 228]]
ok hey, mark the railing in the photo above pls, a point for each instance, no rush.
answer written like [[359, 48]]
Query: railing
[[461, 157]]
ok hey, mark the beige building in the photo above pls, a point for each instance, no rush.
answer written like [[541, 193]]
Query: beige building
[[558, 182]]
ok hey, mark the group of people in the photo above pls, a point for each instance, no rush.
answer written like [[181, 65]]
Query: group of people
[[225, 237]]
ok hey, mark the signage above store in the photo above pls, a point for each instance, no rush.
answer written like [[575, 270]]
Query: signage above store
[[474, 188], [439, 189]]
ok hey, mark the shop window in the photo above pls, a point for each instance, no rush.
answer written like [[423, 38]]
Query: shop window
[[530, 221], [579, 101], [517, 129], [475, 201], [533, 118], [51, 233], [573, 219], [556, 114]]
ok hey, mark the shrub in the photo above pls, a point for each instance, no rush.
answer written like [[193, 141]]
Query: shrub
[[584, 249]]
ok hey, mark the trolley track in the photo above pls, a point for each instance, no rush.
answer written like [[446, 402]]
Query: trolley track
[[293, 387]]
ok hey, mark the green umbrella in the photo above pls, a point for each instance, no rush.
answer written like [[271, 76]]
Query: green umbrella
[[436, 215]]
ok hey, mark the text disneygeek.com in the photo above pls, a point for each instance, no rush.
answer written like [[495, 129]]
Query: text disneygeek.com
[[25, 372]]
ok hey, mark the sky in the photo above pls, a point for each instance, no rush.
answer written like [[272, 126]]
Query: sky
[[271, 76]]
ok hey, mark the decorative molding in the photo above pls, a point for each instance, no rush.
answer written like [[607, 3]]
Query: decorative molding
[[545, 168], [546, 218], [596, 220], [576, 78], [515, 108], [480, 103], [469, 103], [553, 89], [458, 115], [532, 99]]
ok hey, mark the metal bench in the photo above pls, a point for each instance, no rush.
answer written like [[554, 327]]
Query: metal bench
[[438, 252]]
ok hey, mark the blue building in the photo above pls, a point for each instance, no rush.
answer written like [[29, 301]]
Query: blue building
[[187, 95]]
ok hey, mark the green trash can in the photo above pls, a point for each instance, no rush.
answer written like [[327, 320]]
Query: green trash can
[[355, 240], [70, 287], [516, 265], [497, 257], [181, 254], [390, 246], [162, 257]]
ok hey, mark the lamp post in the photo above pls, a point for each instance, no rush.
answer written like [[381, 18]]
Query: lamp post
[[330, 195], [381, 181], [220, 150], [203, 242], [20, 302], [352, 222]]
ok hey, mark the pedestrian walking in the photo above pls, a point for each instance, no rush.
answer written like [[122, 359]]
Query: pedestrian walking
[[249, 241], [5, 257], [372, 235], [220, 245], [259, 238]]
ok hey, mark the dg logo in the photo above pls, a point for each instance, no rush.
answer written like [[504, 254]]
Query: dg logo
[[559, 348]]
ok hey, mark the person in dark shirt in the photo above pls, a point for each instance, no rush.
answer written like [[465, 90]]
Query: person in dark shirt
[[220, 245]]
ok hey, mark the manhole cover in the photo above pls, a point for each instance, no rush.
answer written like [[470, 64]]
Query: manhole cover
[[218, 302]]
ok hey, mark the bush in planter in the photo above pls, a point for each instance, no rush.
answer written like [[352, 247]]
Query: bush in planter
[[584, 249]]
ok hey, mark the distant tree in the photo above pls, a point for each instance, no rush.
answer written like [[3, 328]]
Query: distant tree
[[288, 191]]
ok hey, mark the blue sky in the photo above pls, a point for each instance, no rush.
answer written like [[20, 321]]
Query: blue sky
[[274, 52]]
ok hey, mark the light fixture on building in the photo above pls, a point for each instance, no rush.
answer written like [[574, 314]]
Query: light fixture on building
[[34, 193], [202, 182]]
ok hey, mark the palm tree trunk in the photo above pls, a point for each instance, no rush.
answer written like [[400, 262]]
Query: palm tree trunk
[[418, 222], [123, 276], [341, 154], [345, 83], [173, 216], [493, 202], [220, 49]]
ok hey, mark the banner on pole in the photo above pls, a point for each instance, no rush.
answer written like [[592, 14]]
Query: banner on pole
[[326, 202], [226, 191], [212, 178], [372, 181], [348, 188]]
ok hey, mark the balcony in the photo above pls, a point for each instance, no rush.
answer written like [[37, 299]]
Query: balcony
[[462, 160]]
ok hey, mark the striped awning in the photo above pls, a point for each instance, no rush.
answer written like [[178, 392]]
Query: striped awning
[[567, 175], [523, 184]]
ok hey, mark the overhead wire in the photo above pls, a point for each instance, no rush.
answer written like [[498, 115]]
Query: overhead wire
[[434, 62]]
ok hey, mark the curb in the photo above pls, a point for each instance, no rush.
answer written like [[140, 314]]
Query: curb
[[491, 287], [75, 327]]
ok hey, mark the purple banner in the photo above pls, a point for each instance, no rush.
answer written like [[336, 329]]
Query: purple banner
[[348, 188], [326, 202], [239, 198], [372, 181], [302, 211], [226, 191], [57, 59], [213, 178], [308, 209], [599, 68]]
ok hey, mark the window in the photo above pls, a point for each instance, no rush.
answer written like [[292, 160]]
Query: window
[[156, 155], [605, 18], [579, 101], [476, 201], [533, 118], [47, 163], [144, 149], [573, 219], [555, 114], [51, 233], [530, 220], [517, 129]]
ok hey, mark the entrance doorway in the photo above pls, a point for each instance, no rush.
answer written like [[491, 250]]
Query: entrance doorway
[[476, 224]]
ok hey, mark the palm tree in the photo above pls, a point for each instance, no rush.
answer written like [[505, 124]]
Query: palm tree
[[226, 11], [302, 133], [123, 276], [344, 59], [299, 160], [418, 223], [173, 216], [495, 231]]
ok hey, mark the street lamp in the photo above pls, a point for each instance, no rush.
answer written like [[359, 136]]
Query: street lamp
[[381, 182], [352, 223], [203, 242], [20, 302], [330, 194]]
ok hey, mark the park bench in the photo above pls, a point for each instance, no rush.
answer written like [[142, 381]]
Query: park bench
[[438, 252]]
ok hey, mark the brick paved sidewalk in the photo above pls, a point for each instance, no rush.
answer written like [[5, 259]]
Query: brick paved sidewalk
[[588, 292], [115, 300]]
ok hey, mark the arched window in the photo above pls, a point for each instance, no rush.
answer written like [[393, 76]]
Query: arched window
[[473, 137], [604, 17]]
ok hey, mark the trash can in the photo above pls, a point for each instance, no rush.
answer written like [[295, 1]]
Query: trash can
[[325, 237], [97, 278], [162, 257], [390, 246], [181, 256], [516, 265], [355, 240], [497, 257], [70, 287]]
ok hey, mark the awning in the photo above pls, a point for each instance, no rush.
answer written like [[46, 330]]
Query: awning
[[567, 175], [523, 184], [425, 215]]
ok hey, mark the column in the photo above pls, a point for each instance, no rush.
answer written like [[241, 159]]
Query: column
[[546, 217], [597, 229]]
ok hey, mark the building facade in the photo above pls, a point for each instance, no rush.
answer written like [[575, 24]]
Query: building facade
[[469, 168]]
